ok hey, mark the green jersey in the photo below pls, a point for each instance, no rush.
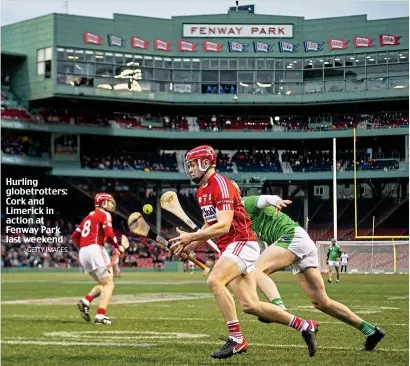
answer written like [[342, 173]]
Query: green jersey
[[266, 224], [334, 252]]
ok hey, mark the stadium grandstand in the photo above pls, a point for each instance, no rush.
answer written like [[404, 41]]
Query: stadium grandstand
[[92, 104]]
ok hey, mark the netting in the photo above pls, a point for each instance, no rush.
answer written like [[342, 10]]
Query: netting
[[370, 256]]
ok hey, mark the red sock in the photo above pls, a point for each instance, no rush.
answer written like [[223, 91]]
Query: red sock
[[235, 331], [101, 311], [298, 323], [89, 298]]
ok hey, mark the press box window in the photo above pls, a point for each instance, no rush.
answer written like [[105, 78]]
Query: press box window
[[44, 57]]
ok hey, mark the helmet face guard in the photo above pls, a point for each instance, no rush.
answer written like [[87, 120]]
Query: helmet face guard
[[104, 205], [202, 167], [204, 158], [103, 199]]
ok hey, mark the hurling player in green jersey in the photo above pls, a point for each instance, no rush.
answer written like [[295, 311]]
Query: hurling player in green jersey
[[333, 257], [289, 244]]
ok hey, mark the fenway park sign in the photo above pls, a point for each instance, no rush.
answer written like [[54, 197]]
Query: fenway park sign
[[238, 30]]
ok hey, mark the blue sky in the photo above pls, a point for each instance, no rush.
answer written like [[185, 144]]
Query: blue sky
[[17, 10]]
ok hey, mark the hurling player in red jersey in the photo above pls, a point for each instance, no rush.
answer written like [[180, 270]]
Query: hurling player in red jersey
[[90, 236], [226, 219]]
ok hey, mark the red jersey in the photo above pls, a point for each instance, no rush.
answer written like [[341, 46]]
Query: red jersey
[[94, 229], [220, 194]]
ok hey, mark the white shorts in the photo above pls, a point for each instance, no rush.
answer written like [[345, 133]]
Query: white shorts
[[301, 245], [95, 260], [333, 263], [244, 254], [343, 264]]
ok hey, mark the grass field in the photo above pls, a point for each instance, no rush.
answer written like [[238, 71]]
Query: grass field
[[171, 319]]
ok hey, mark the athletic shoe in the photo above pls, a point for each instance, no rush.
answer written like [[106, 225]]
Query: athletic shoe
[[84, 310], [309, 336], [230, 348], [102, 319], [329, 280], [337, 281], [372, 340]]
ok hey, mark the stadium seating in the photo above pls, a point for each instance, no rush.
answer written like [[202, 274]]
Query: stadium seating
[[258, 161], [13, 144], [138, 161], [285, 123]]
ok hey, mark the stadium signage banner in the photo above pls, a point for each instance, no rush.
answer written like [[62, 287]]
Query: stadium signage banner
[[115, 40], [139, 43], [288, 47], [160, 45], [182, 88], [184, 46], [212, 46], [262, 46], [238, 30], [388, 40], [238, 47], [363, 42], [337, 44], [92, 38], [313, 46]]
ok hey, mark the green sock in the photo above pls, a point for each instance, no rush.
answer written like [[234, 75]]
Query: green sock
[[278, 301], [366, 328]]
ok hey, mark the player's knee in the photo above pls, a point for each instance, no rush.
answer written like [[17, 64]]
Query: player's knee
[[107, 282], [261, 269], [321, 303], [214, 285], [249, 307]]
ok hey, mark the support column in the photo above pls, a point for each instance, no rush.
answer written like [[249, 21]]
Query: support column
[[158, 206], [306, 206]]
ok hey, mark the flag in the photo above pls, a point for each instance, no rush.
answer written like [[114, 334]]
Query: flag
[[139, 43], [262, 46], [337, 44], [313, 46], [115, 40], [288, 47], [211, 46], [160, 45], [388, 40], [363, 42], [92, 38], [184, 46], [237, 46]]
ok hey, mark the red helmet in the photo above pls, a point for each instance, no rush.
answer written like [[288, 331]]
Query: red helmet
[[101, 199], [203, 152]]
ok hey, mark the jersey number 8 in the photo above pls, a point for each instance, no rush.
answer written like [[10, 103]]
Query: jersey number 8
[[86, 229]]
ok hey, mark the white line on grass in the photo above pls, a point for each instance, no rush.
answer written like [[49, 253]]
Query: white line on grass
[[109, 333], [117, 282], [64, 343], [177, 319], [116, 299], [190, 343]]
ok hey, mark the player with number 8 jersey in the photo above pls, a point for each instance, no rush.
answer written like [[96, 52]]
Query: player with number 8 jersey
[[90, 236]]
